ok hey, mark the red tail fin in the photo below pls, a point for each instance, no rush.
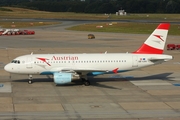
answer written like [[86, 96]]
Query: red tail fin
[[156, 41]]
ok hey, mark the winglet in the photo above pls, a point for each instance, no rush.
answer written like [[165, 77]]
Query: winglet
[[156, 41], [115, 70]]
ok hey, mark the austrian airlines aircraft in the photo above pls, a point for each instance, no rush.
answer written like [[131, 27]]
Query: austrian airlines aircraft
[[66, 67]]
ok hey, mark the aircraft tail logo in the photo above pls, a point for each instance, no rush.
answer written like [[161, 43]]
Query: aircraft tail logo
[[155, 43]]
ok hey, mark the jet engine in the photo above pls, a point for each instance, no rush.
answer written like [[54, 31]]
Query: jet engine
[[62, 78]]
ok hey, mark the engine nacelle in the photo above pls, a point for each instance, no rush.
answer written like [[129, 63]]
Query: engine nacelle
[[62, 78]]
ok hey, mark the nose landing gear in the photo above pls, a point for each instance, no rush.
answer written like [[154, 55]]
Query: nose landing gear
[[30, 79]]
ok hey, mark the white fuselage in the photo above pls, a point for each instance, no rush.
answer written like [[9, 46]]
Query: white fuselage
[[49, 63]]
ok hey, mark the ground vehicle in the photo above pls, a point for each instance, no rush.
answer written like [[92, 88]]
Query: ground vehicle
[[26, 32], [171, 46], [16, 32], [91, 36], [177, 46]]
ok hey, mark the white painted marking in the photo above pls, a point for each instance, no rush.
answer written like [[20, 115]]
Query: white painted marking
[[6, 88]]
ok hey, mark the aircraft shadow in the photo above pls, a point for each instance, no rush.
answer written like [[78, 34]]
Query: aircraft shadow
[[162, 76], [35, 80], [96, 82]]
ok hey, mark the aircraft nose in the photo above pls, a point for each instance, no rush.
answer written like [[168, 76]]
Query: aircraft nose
[[7, 68]]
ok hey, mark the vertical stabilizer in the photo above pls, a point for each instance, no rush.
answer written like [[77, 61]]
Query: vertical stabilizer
[[156, 41]]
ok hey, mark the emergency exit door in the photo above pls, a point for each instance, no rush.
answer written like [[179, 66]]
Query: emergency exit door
[[29, 62]]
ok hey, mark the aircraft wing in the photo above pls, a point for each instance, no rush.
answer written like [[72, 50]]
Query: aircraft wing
[[59, 69], [83, 70]]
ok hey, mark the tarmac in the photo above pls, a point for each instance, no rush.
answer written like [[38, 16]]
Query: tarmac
[[151, 93]]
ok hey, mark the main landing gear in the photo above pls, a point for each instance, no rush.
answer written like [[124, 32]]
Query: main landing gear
[[85, 81], [30, 79]]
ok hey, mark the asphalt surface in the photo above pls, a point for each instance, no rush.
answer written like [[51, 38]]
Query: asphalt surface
[[146, 94]]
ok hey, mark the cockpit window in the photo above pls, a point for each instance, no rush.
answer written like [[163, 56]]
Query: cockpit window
[[15, 61]]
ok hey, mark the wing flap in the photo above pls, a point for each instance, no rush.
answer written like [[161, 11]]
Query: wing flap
[[83, 70]]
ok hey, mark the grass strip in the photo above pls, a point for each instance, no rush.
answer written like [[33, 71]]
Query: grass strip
[[25, 24], [136, 28]]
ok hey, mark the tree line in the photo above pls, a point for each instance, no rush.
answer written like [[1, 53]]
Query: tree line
[[98, 6]]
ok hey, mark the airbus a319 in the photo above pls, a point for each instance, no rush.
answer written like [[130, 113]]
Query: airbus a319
[[66, 67]]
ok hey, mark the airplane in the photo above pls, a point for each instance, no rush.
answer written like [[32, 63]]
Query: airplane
[[66, 67]]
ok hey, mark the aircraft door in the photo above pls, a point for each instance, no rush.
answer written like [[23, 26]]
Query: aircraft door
[[29, 62], [73, 64], [134, 61]]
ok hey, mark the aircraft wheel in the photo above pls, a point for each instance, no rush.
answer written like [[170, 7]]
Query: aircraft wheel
[[30, 81], [86, 83]]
